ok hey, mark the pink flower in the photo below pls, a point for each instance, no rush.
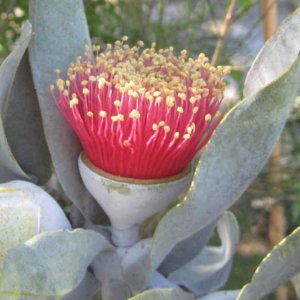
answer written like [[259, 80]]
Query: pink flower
[[141, 113]]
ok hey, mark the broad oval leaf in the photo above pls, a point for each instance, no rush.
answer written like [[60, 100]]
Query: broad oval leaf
[[23, 126], [186, 250], [50, 215], [87, 289], [233, 158], [210, 269], [135, 264], [277, 55], [9, 167], [164, 294], [223, 295], [51, 264], [25, 211], [278, 266], [116, 289], [19, 218], [60, 35]]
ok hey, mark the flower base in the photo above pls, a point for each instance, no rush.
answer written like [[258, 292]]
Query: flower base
[[129, 202]]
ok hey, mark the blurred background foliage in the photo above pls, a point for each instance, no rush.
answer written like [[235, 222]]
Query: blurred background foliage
[[195, 25]]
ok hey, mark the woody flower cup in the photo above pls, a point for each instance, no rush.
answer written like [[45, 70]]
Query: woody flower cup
[[141, 116]]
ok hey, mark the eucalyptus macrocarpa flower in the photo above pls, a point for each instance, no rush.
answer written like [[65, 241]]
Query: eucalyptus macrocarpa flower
[[141, 113]]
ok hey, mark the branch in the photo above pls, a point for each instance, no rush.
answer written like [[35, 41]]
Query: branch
[[223, 32]]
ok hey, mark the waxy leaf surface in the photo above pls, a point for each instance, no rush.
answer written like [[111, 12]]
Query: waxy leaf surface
[[210, 269], [278, 53], [223, 295], [9, 167], [164, 294], [61, 33], [278, 266], [235, 155], [51, 264], [19, 220]]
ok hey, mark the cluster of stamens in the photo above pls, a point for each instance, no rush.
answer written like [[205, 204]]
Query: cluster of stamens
[[141, 113]]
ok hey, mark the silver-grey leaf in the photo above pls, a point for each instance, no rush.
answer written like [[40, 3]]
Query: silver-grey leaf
[[60, 35], [210, 269], [186, 250], [278, 266], [233, 158], [23, 126], [223, 295], [51, 264], [9, 167], [235, 155], [88, 288], [164, 294], [277, 55], [136, 266], [19, 218], [114, 290]]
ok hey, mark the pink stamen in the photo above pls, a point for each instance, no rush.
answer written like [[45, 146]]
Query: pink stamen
[[141, 114]]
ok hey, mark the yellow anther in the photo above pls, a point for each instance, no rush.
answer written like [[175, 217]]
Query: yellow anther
[[102, 113], [96, 48], [85, 91], [118, 117], [189, 130], [57, 71], [90, 114], [158, 100], [170, 101], [60, 82], [207, 117], [87, 71], [73, 102], [129, 84], [52, 87], [155, 127], [186, 136], [134, 114], [161, 123], [156, 94], [183, 52], [149, 97], [192, 100], [180, 109], [226, 70], [176, 135], [205, 92], [124, 38], [195, 110], [72, 77], [66, 93], [84, 82], [117, 103], [133, 94], [140, 44], [101, 82], [141, 90], [167, 129], [92, 78]]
